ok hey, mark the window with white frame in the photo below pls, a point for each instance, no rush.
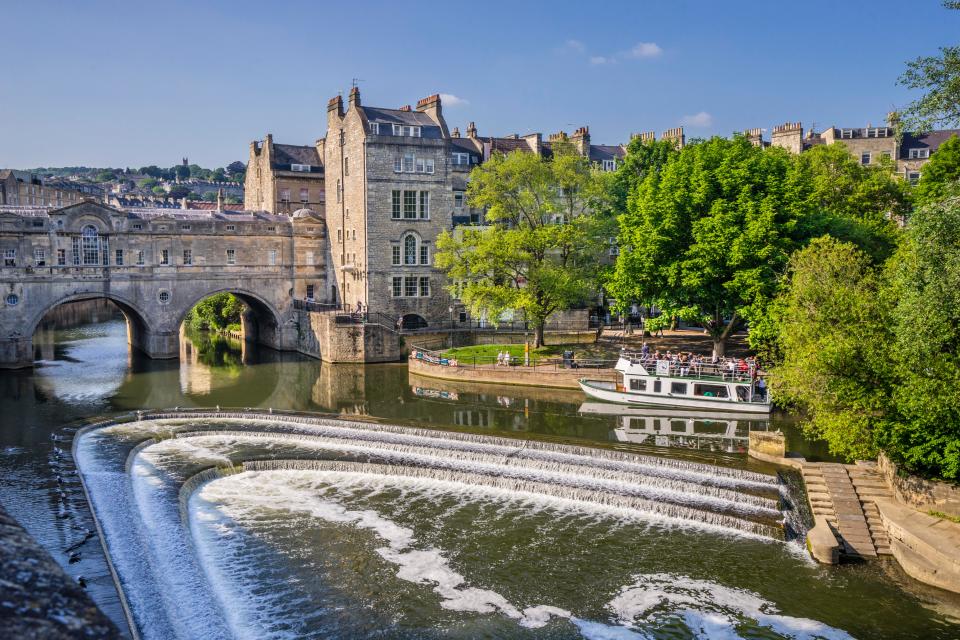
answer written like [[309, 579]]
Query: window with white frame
[[61, 257], [90, 245], [396, 205], [10, 258], [410, 286], [231, 256], [409, 205], [39, 257], [118, 258], [919, 154], [408, 131], [409, 162], [424, 287], [397, 288], [424, 205], [304, 168], [272, 257], [913, 177], [375, 128], [846, 133], [140, 260], [164, 256], [609, 165], [395, 254], [461, 158], [865, 157], [304, 196], [188, 257], [424, 253], [458, 199], [284, 195]]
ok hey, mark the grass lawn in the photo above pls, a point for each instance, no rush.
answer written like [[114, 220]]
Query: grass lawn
[[486, 353]]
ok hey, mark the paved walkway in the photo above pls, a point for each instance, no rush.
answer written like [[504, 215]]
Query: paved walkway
[[845, 495]]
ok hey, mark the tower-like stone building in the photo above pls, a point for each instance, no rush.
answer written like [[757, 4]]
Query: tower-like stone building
[[282, 178]]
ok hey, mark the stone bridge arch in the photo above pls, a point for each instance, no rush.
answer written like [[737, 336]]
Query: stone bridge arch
[[262, 323]]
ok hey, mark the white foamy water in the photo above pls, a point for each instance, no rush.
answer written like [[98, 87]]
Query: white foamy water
[[707, 609]]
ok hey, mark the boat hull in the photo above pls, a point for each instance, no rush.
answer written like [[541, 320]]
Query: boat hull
[[600, 391]]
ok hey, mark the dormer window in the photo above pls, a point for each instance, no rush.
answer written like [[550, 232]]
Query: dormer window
[[609, 165], [404, 130], [846, 133], [375, 128], [919, 154], [303, 168], [877, 132], [461, 158]]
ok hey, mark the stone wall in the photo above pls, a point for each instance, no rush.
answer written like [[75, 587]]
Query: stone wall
[[38, 600], [921, 494], [327, 336], [770, 444]]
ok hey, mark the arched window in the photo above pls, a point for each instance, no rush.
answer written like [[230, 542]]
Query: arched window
[[410, 249], [90, 245]]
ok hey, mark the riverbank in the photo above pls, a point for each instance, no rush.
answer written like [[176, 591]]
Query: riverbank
[[38, 600], [544, 375]]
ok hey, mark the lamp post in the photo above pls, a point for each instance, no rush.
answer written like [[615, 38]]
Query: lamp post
[[450, 309]]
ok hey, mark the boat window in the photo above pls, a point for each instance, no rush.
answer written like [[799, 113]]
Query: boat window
[[678, 426], [638, 384], [656, 386], [678, 387], [743, 394], [711, 390]]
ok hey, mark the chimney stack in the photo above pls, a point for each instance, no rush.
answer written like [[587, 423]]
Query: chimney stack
[[471, 130], [581, 140], [354, 100], [675, 135], [432, 107], [789, 136], [335, 104], [455, 133]]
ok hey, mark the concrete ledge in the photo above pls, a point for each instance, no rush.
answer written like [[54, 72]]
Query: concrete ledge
[[796, 463], [821, 543], [927, 548], [519, 375]]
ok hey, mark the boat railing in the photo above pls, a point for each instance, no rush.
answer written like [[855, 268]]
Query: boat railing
[[731, 370]]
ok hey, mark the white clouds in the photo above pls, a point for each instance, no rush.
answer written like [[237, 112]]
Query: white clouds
[[645, 50], [701, 119], [450, 100], [641, 50]]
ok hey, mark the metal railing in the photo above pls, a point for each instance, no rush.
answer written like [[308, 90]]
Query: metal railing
[[514, 363], [725, 369]]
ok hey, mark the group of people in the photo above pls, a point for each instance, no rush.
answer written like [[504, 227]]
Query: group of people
[[696, 365], [504, 359]]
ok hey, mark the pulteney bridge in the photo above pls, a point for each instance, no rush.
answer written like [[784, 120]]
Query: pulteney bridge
[[155, 265]]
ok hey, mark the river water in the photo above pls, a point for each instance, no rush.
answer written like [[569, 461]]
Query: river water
[[477, 543]]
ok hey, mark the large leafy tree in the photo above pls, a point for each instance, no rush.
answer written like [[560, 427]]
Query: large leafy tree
[[939, 78], [873, 353], [642, 158], [707, 236], [539, 251], [941, 174]]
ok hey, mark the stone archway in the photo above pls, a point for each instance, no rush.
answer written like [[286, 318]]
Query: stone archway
[[261, 322]]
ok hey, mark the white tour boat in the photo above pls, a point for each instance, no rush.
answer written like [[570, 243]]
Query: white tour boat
[[650, 382]]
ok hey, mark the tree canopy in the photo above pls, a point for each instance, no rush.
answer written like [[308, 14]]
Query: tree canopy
[[539, 251], [941, 173], [939, 78], [873, 353]]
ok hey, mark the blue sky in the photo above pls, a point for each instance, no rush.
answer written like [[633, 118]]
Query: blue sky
[[131, 83]]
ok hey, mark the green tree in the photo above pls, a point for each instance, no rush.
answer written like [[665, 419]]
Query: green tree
[[179, 191], [941, 173], [834, 338], [210, 196], [539, 252], [149, 183], [105, 176], [218, 312], [939, 78], [158, 190], [181, 172], [923, 292], [219, 175], [642, 158], [707, 237]]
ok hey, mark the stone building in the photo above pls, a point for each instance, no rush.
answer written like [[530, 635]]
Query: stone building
[[282, 178], [390, 174], [34, 192], [869, 145]]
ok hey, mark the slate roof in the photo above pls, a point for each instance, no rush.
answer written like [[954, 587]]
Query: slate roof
[[295, 154], [931, 140], [506, 145], [466, 145], [600, 152], [414, 118]]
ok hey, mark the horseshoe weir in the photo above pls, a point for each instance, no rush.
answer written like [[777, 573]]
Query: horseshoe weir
[[272, 524]]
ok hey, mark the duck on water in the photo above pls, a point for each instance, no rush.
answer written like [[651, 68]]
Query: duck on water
[[683, 381]]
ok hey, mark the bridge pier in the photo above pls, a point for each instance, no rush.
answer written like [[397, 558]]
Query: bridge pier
[[16, 352]]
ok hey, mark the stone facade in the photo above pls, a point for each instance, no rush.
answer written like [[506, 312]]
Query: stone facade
[[282, 178], [155, 265], [33, 192], [391, 193]]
